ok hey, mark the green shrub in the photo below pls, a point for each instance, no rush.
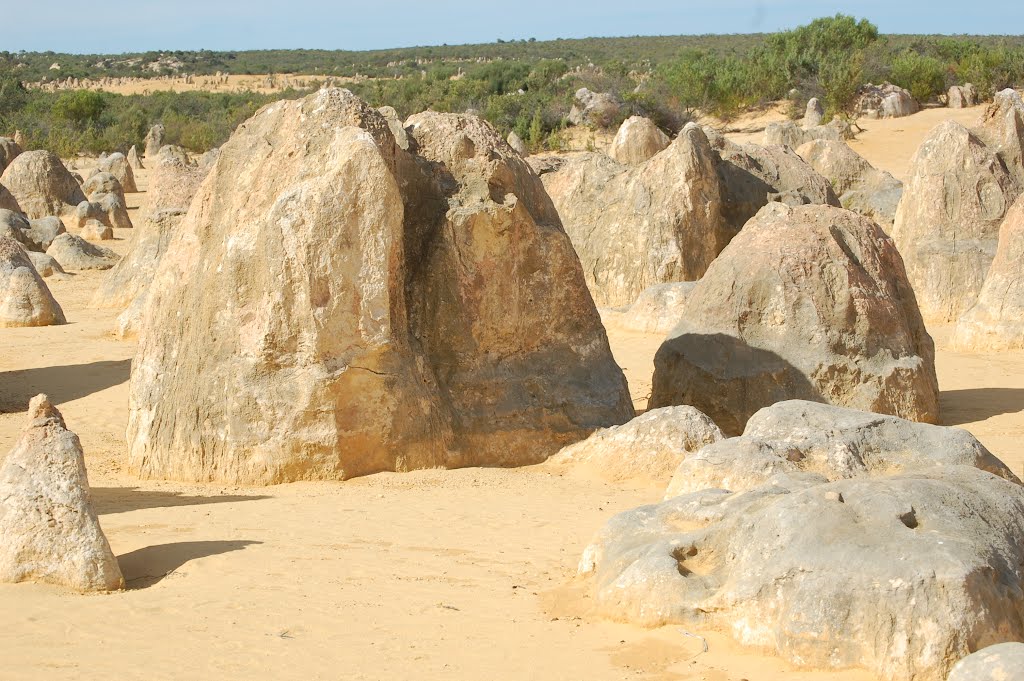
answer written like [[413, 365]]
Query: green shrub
[[923, 76]]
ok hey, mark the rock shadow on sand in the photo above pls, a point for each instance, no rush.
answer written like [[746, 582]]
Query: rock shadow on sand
[[958, 407], [61, 383], [145, 567], [109, 500]]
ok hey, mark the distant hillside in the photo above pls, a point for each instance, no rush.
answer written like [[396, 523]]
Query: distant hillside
[[633, 53]]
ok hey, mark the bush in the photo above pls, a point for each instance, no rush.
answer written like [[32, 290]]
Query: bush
[[924, 77]]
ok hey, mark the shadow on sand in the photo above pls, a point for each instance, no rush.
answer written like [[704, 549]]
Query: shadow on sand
[[145, 567], [108, 500], [62, 383], [957, 407]]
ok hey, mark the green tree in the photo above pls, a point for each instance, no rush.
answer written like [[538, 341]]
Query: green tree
[[80, 107], [923, 76]]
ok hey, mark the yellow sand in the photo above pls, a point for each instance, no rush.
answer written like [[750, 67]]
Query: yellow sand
[[428, 575]]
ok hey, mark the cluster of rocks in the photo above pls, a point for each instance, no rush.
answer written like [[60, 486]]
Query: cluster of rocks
[[962, 185], [595, 109], [885, 101], [349, 307], [807, 302], [828, 535]]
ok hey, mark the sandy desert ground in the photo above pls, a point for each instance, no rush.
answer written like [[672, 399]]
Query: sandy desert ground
[[435, 574]]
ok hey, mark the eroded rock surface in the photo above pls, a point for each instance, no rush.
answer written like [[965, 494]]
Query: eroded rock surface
[[947, 223], [352, 308], [48, 528], [807, 302]]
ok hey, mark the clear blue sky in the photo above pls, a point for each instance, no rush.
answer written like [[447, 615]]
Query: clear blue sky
[[117, 26]]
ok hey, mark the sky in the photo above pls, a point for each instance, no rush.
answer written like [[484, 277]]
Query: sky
[[142, 25]]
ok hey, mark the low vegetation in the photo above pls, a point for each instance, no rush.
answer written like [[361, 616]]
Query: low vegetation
[[526, 86]]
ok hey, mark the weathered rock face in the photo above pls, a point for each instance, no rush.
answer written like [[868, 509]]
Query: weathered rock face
[[133, 159], [885, 101], [807, 302], [947, 223], [596, 109], [15, 226], [396, 125], [658, 309], [996, 320], [42, 231], [46, 265], [48, 528], [117, 165], [7, 200], [9, 149], [650, 447], [835, 442], [999, 662], [154, 140], [861, 187], [25, 299], [93, 230], [352, 308], [1001, 128], [106, 202], [900, 574], [752, 176], [637, 140], [517, 143], [42, 185], [637, 227], [814, 114], [75, 253]]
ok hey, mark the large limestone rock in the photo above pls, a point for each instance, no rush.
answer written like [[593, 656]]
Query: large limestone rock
[[861, 187], [650, 447], [900, 574], [999, 662], [658, 309], [637, 140], [1001, 128], [947, 223], [154, 140], [996, 320], [596, 109], [9, 149], [885, 101], [48, 528], [752, 176], [25, 299], [118, 165], [634, 227], [75, 253], [42, 185], [352, 308], [835, 442], [807, 302]]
